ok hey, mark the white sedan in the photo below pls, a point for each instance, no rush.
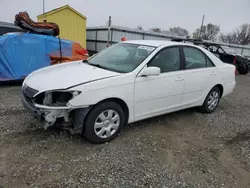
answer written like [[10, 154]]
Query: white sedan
[[124, 83]]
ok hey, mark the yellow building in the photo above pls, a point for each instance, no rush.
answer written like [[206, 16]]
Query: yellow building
[[72, 24]]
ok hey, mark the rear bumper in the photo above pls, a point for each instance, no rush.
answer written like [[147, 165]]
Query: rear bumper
[[31, 109]]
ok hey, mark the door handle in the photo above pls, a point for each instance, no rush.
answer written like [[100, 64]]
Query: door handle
[[179, 79]]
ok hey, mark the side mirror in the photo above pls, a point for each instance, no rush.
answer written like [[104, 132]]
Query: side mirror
[[150, 71]]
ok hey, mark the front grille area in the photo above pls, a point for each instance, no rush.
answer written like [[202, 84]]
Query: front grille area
[[29, 100], [30, 92]]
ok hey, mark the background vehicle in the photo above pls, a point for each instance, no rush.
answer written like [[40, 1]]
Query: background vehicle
[[98, 38], [6, 27], [127, 82], [226, 54]]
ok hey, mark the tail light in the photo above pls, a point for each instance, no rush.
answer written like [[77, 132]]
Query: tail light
[[235, 58], [234, 62]]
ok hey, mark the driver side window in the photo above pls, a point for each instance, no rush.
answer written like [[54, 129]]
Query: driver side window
[[167, 60]]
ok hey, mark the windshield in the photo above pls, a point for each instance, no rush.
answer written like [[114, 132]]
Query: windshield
[[121, 57]]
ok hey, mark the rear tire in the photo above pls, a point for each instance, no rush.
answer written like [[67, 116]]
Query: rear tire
[[104, 122], [243, 69], [212, 100]]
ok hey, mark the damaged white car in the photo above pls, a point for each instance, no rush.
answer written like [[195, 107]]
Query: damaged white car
[[124, 83]]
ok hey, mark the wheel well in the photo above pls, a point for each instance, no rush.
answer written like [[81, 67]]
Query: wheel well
[[220, 88], [122, 104]]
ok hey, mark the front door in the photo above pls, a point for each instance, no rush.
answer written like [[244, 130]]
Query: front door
[[155, 95]]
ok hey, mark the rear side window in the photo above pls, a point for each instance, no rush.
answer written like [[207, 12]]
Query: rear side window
[[195, 59]]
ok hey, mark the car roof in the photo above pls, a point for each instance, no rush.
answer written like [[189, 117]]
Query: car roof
[[157, 43]]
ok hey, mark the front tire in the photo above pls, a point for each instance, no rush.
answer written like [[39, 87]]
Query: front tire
[[212, 100], [104, 122]]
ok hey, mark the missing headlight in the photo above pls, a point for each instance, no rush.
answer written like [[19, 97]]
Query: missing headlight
[[55, 98], [61, 97]]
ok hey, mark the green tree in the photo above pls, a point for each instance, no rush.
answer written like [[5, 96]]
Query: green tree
[[155, 29], [139, 27], [241, 35], [207, 32], [179, 31]]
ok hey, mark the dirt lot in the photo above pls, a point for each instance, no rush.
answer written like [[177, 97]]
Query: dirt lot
[[183, 149]]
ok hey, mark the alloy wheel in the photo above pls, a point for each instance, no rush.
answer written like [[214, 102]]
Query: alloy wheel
[[213, 100], [107, 123]]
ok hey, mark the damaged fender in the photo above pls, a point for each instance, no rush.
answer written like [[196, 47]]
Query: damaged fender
[[55, 104]]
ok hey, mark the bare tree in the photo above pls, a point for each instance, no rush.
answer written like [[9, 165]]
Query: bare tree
[[139, 27], [155, 29], [240, 35], [179, 31], [207, 32]]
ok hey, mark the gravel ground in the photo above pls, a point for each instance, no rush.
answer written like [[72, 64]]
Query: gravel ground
[[182, 149]]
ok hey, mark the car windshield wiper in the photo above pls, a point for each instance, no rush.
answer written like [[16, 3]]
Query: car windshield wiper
[[100, 66], [95, 65], [85, 61]]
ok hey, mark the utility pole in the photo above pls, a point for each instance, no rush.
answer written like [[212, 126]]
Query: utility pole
[[202, 25], [44, 11], [43, 6], [109, 26]]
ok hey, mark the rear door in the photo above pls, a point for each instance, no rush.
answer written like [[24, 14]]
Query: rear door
[[200, 75]]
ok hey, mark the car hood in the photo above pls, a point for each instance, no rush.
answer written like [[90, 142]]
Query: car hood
[[66, 75]]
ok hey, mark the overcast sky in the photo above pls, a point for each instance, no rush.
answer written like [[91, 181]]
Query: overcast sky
[[147, 13]]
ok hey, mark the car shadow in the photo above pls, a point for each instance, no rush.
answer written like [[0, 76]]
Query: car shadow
[[164, 118], [56, 132]]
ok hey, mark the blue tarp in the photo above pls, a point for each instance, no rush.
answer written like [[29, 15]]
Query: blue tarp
[[22, 53]]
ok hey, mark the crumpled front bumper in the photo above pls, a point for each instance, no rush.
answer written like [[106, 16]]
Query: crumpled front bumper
[[27, 104], [47, 115]]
